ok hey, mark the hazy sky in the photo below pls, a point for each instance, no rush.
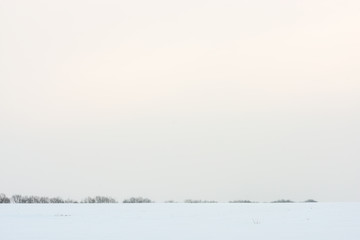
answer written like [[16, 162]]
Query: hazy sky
[[218, 100]]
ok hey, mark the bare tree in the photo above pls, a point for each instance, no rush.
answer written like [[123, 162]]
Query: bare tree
[[137, 200], [99, 199], [4, 198], [17, 198]]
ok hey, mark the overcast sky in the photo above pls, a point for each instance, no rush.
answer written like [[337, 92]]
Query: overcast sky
[[217, 100]]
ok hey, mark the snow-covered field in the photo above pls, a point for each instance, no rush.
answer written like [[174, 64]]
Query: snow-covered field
[[170, 221]]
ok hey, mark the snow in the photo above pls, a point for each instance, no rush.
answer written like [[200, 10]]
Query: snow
[[172, 221]]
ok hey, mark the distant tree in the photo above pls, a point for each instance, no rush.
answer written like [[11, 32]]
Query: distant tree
[[17, 198], [99, 199], [70, 201], [44, 200], [241, 201], [4, 198], [282, 201], [56, 200], [198, 201], [88, 200], [310, 201], [37, 199], [137, 200], [102, 199]]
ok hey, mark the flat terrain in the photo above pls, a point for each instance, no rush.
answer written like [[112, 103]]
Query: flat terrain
[[305, 221]]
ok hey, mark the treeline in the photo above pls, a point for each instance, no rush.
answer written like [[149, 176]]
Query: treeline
[[276, 201], [241, 201], [39, 199], [289, 201], [104, 199]]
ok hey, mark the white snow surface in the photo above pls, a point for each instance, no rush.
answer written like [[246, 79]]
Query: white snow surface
[[172, 221]]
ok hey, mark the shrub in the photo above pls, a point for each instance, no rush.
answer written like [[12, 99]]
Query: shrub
[[282, 201], [137, 200], [198, 201]]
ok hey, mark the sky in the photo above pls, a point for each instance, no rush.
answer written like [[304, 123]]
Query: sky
[[217, 100]]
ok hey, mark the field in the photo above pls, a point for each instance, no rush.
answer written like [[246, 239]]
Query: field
[[171, 221]]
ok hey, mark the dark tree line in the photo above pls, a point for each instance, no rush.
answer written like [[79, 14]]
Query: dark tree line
[[17, 198], [38, 199]]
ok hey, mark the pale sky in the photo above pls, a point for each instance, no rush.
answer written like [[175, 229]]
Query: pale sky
[[217, 100]]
